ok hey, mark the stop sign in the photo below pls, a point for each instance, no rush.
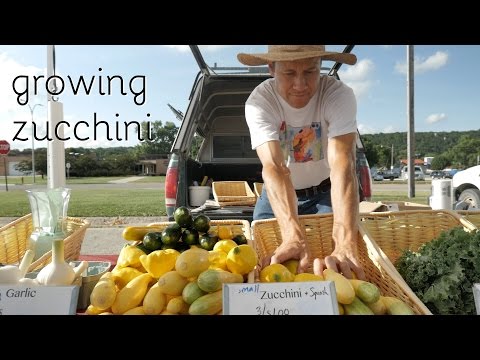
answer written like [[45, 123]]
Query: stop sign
[[4, 147]]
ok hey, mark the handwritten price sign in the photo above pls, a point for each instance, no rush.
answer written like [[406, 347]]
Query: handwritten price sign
[[292, 298]]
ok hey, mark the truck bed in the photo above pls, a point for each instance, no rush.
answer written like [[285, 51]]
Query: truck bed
[[224, 172]]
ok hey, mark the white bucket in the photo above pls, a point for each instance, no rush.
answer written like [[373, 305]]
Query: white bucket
[[442, 194], [198, 195]]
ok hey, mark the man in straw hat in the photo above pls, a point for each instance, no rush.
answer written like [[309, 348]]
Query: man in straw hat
[[303, 126]]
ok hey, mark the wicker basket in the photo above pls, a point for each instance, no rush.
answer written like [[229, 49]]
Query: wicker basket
[[14, 239], [232, 193], [473, 216], [238, 227], [392, 233], [395, 232], [267, 237]]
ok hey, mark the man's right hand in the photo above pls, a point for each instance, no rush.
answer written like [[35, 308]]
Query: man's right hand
[[290, 250]]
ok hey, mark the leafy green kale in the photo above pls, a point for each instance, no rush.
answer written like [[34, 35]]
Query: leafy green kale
[[443, 271]]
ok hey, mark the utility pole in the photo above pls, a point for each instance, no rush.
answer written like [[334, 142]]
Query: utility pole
[[411, 122], [32, 108]]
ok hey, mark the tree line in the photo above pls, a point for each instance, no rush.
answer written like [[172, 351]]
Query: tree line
[[455, 149], [111, 161]]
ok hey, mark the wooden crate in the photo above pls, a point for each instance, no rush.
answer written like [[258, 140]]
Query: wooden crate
[[257, 188], [233, 193]]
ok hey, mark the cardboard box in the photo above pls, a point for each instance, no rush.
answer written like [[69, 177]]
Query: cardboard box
[[381, 206], [406, 205]]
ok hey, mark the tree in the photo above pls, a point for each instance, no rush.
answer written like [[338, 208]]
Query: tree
[[196, 143], [384, 156], [158, 139], [440, 162], [25, 166], [370, 151], [464, 154], [41, 161]]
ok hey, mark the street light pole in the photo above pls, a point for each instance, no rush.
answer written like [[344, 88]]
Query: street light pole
[[391, 163], [33, 138]]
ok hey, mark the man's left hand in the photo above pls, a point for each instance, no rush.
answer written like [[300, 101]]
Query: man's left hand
[[340, 262]]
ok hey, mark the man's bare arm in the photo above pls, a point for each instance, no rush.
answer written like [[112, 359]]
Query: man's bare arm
[[282, 197], [345, 199]]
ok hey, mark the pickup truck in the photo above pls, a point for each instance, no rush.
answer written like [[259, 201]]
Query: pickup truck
[[389, 175], [215, 119], [466, 187]]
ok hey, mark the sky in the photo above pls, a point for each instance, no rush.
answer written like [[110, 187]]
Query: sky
[[446, 88]]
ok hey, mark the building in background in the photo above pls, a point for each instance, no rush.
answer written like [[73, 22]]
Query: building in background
[[427, 162], [11, 162], [152, 165]]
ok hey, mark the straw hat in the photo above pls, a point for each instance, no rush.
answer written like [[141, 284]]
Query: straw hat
[[295, 52]]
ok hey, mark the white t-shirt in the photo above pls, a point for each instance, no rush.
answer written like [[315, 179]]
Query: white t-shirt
[[303, 133]]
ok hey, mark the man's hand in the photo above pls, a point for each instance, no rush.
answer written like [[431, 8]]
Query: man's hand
[[341, 261], [283, 200], [290, 250]]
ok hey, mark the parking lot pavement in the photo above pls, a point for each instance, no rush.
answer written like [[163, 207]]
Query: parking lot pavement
[[104, 236], [102, 241]]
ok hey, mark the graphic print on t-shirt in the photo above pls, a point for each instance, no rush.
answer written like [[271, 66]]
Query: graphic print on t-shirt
[[301, 144]]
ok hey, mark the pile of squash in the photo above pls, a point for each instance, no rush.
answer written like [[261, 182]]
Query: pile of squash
[[167, 282]]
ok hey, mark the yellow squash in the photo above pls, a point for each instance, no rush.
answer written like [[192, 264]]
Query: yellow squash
[[276, 273], [242, 259], [343, 288], [132, 294], [103, 294], [136, 233], [154, 301], [159, 262]]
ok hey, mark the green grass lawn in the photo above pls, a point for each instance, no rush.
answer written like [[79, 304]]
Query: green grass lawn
[[95, 202]]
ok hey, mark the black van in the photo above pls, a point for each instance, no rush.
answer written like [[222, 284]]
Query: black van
[[213, 140]]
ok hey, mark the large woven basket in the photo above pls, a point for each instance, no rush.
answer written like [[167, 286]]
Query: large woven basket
[[233, 193], [472, 216], [391, 233], [14, 239], [397, 231], [238, 227], [318, 228]]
